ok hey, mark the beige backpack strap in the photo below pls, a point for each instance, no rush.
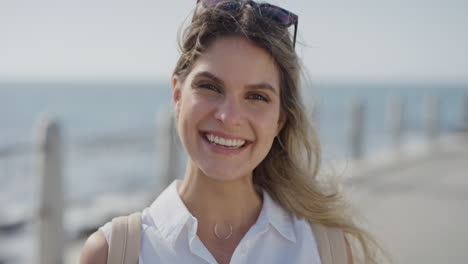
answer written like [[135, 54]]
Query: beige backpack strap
[[331, 244], [124, 246]]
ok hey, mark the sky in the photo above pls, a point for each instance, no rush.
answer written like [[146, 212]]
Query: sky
[[399, 40]]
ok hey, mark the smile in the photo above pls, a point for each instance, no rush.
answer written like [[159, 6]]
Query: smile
[[224, 142]]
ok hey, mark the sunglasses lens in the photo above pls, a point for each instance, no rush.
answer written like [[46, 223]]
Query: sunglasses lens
[[277, 15], [211, 3], [224, 4]]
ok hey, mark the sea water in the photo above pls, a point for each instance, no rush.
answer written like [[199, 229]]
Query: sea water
[[110, 130]]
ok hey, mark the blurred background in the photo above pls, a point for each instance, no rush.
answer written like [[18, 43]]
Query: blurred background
[[388, 82]]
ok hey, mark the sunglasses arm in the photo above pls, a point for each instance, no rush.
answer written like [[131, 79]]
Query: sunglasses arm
[[295, 34]]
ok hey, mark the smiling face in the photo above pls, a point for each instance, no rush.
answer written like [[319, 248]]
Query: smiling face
[[228, 108]]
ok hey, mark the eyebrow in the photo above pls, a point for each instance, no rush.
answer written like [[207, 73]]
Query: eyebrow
[[260, 86], [209, 75]]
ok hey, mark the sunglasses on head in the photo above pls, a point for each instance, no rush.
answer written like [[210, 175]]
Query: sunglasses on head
[[279, 15]]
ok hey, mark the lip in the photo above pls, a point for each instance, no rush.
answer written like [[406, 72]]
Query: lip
[[220, 134], [222, 150]]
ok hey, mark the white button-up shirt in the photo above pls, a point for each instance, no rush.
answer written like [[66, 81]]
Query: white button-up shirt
[[169, 235]]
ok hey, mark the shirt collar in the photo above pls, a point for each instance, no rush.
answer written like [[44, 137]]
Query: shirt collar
[[169, 213], [171, 224], [278, 217]]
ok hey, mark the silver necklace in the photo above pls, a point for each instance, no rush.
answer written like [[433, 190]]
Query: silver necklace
[[221, 237]]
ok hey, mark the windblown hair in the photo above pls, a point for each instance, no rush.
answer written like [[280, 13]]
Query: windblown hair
[[289, 171]]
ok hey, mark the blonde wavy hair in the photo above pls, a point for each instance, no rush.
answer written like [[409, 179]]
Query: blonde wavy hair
[[289, 171]]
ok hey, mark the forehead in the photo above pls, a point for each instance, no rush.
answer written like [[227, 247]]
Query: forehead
[[236, 60]]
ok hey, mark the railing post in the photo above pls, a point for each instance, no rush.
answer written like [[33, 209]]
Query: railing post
[[395, 121], [50, 193], [356, 137], [465, 114], [166, 146], [432, 117]]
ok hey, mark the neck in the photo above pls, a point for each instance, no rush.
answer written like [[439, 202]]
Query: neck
[[214, 201]]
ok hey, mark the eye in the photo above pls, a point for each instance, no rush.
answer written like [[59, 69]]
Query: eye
[[209, 86], [257, 96]]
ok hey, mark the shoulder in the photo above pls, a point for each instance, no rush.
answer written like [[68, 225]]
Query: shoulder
[[95, 249]]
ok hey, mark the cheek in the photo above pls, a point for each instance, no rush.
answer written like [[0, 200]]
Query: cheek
[[197, 107], [192, 109], [267, 124]]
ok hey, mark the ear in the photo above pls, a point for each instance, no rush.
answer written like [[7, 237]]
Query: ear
[[176, 93], [281, 122]]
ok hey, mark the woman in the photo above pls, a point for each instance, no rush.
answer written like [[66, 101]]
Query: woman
[[250, 192]]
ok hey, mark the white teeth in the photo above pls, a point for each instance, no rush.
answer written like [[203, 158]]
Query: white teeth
[[222, 141], [233, 143]]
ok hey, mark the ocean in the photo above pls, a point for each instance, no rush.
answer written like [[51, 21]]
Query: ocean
[[110, 129]]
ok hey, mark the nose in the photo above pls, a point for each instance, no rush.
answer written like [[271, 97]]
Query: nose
[[230, 112]]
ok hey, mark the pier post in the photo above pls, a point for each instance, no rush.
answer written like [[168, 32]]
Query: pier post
[[395, 121], [356, 136], [49, 215], [432, 117], [166, 146], [465, 114]]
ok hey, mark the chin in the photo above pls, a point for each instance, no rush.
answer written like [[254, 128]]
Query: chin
[[225, 174]]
